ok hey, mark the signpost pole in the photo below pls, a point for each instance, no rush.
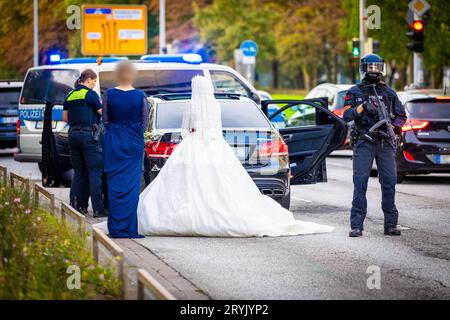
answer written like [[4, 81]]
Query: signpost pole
[[162, 26], [362, 27], [35, 35]]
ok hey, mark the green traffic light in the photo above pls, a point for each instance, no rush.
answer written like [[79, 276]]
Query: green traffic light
[[355, 51]]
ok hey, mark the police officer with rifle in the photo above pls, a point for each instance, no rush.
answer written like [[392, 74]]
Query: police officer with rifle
[[378, 116]]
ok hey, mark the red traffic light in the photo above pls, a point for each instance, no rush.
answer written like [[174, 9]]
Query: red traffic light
[[417, 25]]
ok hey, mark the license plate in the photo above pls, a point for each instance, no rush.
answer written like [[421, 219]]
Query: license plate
[[442, 158], [40, 124], [8, 120]]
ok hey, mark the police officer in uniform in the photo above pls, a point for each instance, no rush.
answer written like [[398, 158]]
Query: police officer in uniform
[[362, 109], [82, 111]]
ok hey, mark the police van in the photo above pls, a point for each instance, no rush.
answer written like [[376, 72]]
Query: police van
[[156, 74]]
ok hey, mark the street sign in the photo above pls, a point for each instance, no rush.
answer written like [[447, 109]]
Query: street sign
[[249, 48], [419, 7], [114, 30]]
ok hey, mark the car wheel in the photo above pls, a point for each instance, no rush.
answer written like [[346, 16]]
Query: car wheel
[[401, 177], [374, 173]]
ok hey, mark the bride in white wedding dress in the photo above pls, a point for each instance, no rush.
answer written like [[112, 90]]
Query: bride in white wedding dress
[[203, 189]]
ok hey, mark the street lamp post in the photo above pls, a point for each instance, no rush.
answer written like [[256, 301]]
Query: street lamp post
[[162, 26], [35, 35]]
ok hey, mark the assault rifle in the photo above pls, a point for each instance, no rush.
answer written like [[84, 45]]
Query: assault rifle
[[384, 119]]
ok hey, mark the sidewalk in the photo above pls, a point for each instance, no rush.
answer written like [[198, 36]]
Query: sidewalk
[[137, 256]]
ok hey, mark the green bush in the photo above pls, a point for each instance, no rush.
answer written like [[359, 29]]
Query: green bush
[[36, 251]]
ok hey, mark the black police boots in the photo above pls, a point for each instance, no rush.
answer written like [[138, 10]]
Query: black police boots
[[355, 233], [100, 214], [392, 232], [83, 211]]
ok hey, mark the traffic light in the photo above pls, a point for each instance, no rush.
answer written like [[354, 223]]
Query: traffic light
[[375, 46], [355, 48], [416, 36]]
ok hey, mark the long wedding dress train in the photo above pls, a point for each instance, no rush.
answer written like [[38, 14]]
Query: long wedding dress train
[[203, 189]]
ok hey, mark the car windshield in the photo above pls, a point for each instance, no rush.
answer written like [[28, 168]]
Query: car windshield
[[154, 81], [340, 99], [48, 85], [234, 115], [437, 109], [9, 97]]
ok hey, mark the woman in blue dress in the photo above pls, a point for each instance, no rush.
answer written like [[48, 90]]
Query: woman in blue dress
[[125, 115]]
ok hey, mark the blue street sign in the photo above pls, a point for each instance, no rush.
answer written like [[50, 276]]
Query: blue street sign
[[98, 11], [249, 48]]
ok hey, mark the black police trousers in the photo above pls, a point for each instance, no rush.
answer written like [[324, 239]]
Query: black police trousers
[[364, 153], [87, 162]]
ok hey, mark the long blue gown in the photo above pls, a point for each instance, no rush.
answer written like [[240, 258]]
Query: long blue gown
[[125, 114]]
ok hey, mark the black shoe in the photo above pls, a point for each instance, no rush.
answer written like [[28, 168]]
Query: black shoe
[[100, 214], [355, 233], [83, 211], [392, 232]]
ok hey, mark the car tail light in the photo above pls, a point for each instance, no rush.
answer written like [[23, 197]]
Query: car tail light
[[415, 125], [408, 156], [159, 149], [18, 126], [277, 148]]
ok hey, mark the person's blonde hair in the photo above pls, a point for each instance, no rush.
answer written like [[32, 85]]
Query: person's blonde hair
[[122, 68]]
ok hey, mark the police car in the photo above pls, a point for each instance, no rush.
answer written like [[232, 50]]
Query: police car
[[156, 74]]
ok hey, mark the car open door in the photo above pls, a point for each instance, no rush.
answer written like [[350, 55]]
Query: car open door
[[311, 132]]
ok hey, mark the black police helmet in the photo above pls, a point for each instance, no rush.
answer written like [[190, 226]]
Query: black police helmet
[[372, 67]]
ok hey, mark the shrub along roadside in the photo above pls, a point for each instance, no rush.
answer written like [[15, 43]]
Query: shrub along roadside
[[36, 252]]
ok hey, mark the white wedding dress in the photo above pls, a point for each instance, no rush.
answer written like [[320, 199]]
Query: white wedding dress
[[203, 190]]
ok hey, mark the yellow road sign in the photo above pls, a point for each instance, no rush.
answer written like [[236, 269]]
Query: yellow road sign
[[114, 30]]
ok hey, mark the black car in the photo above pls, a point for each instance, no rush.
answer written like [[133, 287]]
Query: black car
[[425, 138], [274, 159], [9, 103]]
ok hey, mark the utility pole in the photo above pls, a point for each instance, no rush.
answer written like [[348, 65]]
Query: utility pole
[[35, 35], [162, 27], [362, 27]]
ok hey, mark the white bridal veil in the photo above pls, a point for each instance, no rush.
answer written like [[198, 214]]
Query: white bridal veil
[[203, 116]]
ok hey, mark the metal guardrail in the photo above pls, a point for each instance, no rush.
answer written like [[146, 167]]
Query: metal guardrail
[[25, 181], [69, 211], [146, 281], [3, 175], [39, 190], [113, 249]]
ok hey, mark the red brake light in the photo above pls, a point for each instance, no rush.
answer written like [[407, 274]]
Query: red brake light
[[159, 149], [18, 126], [277, 148], [408, 155], [415, 125]]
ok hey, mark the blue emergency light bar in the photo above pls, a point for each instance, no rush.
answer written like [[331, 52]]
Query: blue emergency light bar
[[91, 60], [191, 58]]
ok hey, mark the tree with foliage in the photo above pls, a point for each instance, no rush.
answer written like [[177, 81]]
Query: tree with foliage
[[226, 23]]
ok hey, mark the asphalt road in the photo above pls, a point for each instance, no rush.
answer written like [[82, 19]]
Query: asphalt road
[[329, 266]]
